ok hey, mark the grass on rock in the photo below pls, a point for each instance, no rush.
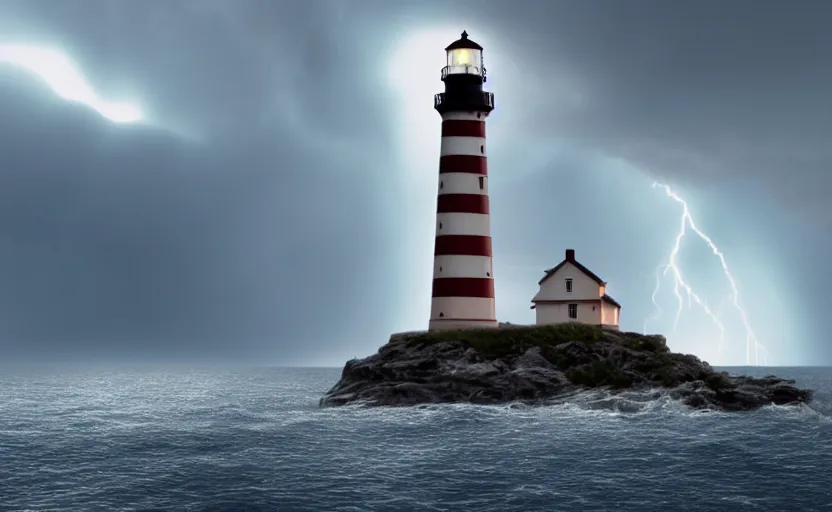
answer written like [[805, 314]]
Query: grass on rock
[[515, 340]]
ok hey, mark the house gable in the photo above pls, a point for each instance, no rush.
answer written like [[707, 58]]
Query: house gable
[[585, 285], [554, 287], [570, 260]]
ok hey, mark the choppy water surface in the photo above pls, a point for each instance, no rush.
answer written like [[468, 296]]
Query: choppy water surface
[[179, 439]]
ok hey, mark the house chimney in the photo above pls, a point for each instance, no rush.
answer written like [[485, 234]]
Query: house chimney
[[570, 255]]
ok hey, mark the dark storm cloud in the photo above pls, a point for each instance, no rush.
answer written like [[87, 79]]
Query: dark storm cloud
[[726, 98], [701, 92], [119, 238], [212, 66], [260, 217], [133, 236]]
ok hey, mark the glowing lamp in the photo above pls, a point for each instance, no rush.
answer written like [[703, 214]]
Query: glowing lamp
[[464, 57]]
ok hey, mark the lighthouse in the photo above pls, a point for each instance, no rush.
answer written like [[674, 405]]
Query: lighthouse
[[463, 279]]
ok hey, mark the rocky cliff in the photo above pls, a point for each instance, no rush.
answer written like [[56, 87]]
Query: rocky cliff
[[536, 365]]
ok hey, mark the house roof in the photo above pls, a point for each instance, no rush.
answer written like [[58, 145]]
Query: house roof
[[610, 300], [606, 298], [570, 258]]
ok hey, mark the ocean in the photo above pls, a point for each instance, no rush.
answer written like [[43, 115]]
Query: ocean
[[252, 439]]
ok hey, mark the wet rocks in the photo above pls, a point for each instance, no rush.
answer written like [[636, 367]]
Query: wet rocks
[[535, 365]]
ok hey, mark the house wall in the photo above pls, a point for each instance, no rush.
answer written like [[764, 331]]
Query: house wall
[[583, 287], [609, 314], [557, 313]]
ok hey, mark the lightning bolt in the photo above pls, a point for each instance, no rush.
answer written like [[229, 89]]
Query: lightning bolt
[[682, 289]]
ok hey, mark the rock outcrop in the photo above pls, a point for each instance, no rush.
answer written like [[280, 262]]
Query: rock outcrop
[[536, 365]]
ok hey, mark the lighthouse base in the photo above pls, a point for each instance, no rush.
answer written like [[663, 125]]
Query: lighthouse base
[[453, 324]]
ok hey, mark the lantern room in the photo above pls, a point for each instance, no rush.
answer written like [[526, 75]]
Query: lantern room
[[464, 57], [464, 76]]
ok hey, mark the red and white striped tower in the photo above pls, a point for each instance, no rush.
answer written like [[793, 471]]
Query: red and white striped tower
[[463, 280]]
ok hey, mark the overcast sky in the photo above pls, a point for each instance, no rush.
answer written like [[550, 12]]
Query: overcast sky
[[279, 203]]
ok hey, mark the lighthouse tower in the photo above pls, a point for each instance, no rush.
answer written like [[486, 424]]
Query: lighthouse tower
[[463, 280]]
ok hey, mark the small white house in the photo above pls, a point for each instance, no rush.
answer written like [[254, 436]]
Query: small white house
[[570, 292]]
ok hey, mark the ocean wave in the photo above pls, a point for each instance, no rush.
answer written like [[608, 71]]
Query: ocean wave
[[255, 441], [591, 403]]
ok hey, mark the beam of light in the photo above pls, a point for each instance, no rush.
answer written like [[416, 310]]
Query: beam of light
[[413, 73], [680, 285], [63, 77]]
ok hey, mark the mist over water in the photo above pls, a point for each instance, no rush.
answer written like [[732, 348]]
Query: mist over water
[[254, 439]]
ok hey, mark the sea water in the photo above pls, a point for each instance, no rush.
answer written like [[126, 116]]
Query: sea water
[[182, 439]]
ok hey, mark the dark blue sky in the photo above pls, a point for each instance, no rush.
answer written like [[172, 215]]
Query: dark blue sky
[[279, 206]]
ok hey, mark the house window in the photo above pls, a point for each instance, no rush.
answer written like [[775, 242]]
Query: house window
[[482, 183], [573, 311], [569, 285]]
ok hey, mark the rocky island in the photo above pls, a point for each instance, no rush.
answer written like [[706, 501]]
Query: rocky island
[[537, 364]]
